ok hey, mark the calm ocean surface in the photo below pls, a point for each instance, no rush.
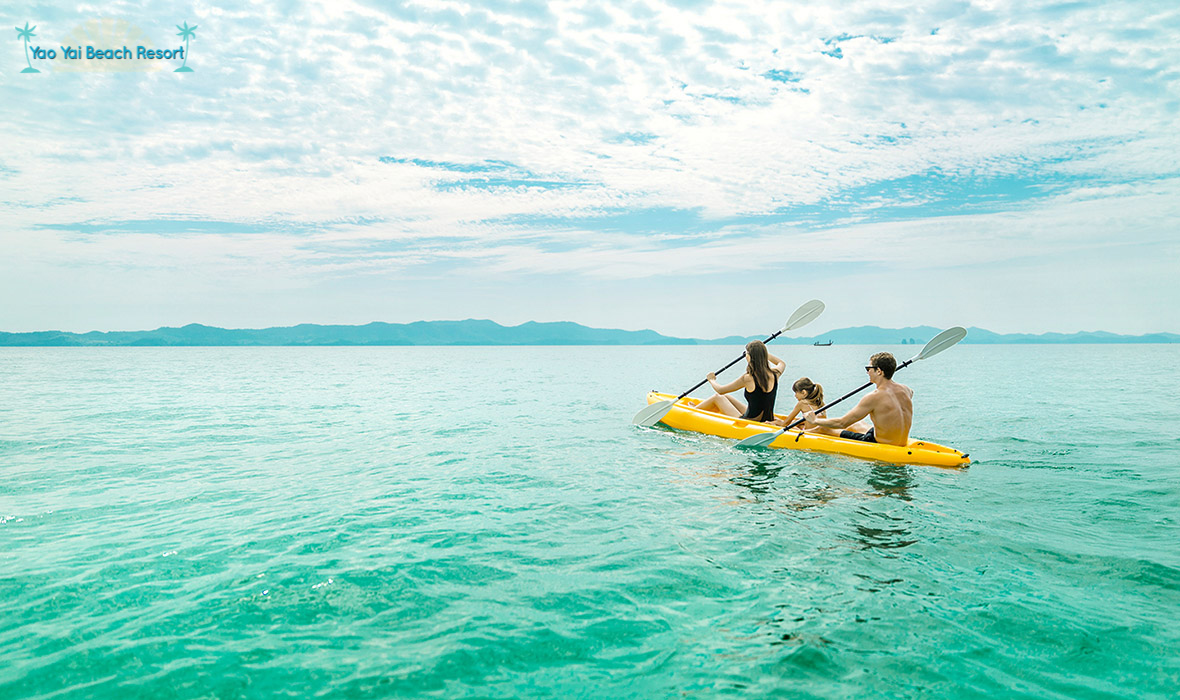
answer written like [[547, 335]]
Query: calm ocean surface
[[485, 522]]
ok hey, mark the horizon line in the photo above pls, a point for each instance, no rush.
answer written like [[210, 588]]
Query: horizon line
[[575, 323]]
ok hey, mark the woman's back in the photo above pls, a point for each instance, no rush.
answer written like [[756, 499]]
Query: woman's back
[[760, 383], [759, 403]]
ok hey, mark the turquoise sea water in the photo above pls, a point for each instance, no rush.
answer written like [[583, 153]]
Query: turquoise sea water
[[485, 522]]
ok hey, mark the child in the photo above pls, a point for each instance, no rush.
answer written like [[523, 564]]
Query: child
[[810, 397]]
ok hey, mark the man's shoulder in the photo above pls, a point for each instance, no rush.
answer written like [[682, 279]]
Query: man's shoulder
[[903, 389], [874, 395]]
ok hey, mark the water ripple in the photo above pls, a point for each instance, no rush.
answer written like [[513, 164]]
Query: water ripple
[[394, 522]]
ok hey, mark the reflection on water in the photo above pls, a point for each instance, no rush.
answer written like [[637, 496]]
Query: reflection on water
[[875, 525], [893, 533], [892, 480], [789, 484], [758, 474], [881, 530], [876, 585]]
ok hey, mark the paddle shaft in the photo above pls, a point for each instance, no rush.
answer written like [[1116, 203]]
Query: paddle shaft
[[731, 364], [833, 403]]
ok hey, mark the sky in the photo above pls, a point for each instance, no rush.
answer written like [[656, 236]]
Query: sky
[[696, 168]]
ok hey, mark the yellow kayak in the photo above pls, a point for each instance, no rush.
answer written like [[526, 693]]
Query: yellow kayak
[[686, 416]]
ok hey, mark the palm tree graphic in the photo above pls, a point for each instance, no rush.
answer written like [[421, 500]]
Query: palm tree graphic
[[26, 34], [186, 32]]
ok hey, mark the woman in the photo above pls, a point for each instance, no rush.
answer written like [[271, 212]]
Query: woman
[[760, 382]]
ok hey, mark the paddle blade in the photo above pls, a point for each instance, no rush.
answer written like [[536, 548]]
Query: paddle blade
[[652, 413], [804, 315], [760, 440], [942, 341]]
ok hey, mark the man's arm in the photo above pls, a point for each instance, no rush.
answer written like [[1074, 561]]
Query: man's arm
[[862, 409]]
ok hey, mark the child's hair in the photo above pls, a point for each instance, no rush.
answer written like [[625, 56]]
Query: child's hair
[[814, 392]]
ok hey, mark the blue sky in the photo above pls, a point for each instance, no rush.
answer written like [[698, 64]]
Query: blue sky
[[695, 168]]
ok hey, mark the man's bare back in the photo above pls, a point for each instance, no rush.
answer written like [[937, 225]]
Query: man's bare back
[[890, 406]]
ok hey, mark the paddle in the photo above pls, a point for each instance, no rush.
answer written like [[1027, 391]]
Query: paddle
[[940, 342], [805, 314]]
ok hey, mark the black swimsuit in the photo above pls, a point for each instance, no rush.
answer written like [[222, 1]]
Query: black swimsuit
[[760, 404], [870, 436]]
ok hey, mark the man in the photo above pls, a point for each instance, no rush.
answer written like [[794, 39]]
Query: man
[[890, 406]]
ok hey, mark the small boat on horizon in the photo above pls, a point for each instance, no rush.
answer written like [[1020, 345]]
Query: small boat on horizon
[[821, 345]]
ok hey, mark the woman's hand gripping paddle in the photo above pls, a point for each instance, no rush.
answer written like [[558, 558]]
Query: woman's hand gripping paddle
[[650, 415], [940, 342]]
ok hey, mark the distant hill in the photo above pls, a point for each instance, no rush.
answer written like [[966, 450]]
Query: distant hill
[[918, 335], [483, 332], [470, 332]]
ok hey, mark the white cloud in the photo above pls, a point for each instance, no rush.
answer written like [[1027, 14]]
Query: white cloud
[[292, 104]]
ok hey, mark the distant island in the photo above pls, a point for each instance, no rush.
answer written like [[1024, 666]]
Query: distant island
[[483, 332]]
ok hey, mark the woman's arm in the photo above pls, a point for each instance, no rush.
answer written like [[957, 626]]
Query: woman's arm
[[780, 365], [739, 383]]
